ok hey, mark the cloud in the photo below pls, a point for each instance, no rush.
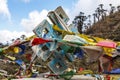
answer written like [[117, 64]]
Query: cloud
[[89, 6], [34, 18], [4, 10], [6, 35]]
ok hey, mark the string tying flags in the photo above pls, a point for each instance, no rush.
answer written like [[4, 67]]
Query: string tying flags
[[37, 41]]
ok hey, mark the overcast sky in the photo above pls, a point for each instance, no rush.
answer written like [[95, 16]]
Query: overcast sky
[[19, 17]]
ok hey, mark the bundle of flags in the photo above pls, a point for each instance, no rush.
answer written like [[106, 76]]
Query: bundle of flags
[[59, 43]]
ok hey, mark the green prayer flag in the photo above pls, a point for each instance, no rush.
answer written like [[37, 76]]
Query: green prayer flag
[[1, 50]]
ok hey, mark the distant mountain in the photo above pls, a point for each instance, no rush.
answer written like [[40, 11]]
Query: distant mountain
[[108, 28]]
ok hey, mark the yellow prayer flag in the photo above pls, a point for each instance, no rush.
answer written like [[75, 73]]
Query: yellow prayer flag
[[108, 51], [16, 49], [10, 57]]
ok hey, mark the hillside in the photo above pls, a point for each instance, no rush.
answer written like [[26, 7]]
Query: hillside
[[109, 28]]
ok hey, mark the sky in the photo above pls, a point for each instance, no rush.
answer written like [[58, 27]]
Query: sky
[[19, 17]]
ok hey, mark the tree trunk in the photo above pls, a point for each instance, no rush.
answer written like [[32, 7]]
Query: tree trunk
[[79, 29]]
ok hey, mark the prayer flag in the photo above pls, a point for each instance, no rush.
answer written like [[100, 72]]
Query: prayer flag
[[37, 41]]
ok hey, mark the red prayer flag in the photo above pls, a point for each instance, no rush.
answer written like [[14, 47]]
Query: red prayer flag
[[28, 56], [37, 41]]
